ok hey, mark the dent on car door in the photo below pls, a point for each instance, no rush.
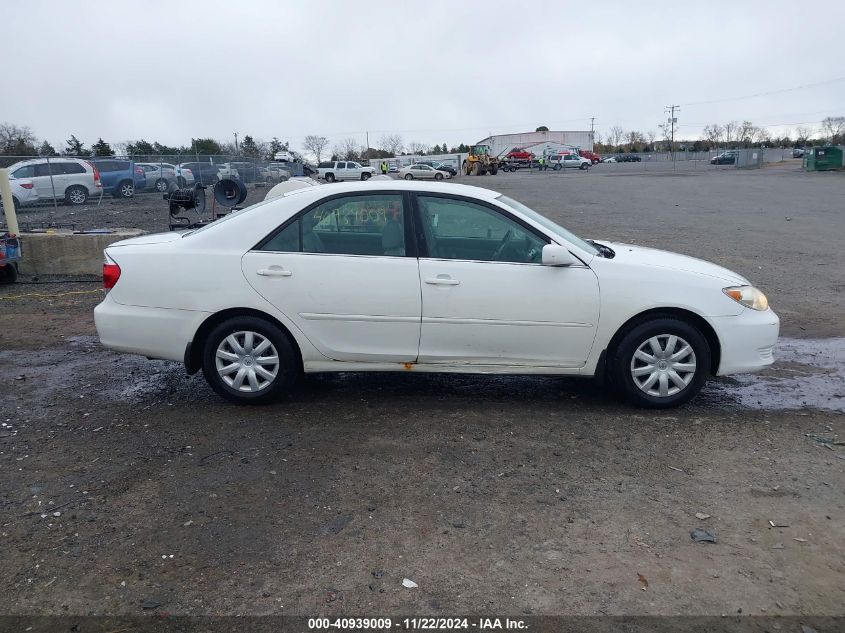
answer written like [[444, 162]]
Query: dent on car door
[[342, 272], [487, 299]]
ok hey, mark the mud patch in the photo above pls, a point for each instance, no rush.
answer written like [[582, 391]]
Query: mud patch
[[807, 373]]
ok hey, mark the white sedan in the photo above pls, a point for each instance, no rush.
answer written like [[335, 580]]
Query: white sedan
[[425, 277], [423, 172], [23, 192]]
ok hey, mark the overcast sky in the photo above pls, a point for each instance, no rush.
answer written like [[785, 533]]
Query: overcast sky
[[431, 70]]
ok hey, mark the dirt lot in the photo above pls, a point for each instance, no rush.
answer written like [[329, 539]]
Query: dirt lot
[[123, 481]]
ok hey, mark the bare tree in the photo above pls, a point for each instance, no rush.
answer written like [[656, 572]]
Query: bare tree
[[803, 133], [415, 147], [746, 132], [347, 149], [731, 128], [651, 135], [713, 133], [391, 143], [833, 128], [16, 140], [634, 138], [665, 130], [615, 135], [315, 144]]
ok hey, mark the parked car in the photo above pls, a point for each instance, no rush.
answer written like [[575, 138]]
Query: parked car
[[610, 159], [592, 156], [344, 170], [250, 172], [120, 177], [629, 158], [425, 277], [450, 169], [797, 152], [725, 158], [184, 176], [204, 173], [277, 172], [576, 161], [283, 157], [159, 176], [74, 180], [423, 172], [23, 192]]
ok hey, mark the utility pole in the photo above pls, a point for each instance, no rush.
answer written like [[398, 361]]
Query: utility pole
[[670, 110], [237, 152], [368, 144], [592, 132]]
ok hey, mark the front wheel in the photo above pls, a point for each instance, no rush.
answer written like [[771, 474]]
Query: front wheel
[[583, 166], [249, 361], [438, 176], [365, 176], [660, 363], [409, 176]]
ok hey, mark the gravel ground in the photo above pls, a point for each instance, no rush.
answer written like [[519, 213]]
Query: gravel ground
[[123, 481]]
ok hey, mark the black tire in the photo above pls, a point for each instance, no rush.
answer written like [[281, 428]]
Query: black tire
[[476, 169], [161, 185], [438, 176], [330, 178], [621, 362], [9, 273], [465, 167], [125, 190], [76, 195], [366, 176], [494, 170], [557, 167], [288, 368], [583, 166], [409, 176]]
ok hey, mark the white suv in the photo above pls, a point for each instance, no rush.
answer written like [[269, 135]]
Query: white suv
[[344, 170], [72, 179]]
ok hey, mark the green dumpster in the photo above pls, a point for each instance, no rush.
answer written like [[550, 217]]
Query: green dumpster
[[825, 158]]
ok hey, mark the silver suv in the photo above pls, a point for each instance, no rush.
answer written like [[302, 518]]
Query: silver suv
[[71, 179]]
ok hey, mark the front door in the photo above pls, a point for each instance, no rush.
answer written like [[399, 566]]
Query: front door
[[340, 271], [487, 299]]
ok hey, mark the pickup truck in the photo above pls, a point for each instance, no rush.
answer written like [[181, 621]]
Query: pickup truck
[[344, 170]]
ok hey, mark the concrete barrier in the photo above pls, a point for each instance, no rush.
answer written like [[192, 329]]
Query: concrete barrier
[[67, 253]]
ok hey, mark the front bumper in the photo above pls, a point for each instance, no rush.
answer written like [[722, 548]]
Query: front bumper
[[747, 340]]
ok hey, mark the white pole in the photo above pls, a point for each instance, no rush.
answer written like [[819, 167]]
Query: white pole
[[8, 202]]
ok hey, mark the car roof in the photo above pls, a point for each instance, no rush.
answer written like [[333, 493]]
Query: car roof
[[399, 185]]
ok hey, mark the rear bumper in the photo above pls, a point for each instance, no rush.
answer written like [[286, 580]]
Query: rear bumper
[[153, 332], [747, 340]]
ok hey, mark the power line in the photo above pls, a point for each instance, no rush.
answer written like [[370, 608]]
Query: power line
[[766, 94]]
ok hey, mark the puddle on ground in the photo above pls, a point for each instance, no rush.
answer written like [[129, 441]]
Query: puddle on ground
[[806, 373]]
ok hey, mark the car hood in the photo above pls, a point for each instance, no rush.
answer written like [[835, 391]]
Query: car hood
[[155, 238], [654, 258]]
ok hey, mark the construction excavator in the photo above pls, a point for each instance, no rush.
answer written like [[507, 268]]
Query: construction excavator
[[480, 161]]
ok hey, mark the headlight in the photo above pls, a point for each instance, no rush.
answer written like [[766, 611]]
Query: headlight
[[748, 296]]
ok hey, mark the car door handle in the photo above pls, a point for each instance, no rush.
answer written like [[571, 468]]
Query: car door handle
[[273, 271], [442, 280]]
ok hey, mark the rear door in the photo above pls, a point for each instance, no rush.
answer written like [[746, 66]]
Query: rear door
[[341, 272]]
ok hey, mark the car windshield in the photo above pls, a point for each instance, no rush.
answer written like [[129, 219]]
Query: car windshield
[[548, 224]]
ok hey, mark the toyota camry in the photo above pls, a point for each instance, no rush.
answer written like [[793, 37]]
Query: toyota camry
[[425, 277]]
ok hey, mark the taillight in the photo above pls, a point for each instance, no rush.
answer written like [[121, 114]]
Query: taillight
[[96, 175], [26, 185], [111, 273]]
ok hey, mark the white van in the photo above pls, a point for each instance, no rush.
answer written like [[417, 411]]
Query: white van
[[73, 179]]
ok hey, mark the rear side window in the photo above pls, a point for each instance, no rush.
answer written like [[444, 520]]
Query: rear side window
[[27, 171], [350, 225], [325, 165], [72, 168]]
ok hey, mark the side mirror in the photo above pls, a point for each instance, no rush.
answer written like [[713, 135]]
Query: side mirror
[[557, 255]]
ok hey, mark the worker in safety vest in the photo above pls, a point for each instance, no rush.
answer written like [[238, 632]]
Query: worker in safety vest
[[541, 164], [384, 167]]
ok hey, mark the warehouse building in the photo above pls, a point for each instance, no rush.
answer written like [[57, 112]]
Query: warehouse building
[[501, 144]]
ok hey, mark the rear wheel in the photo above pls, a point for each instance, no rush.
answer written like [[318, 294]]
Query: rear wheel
[[125, 189], [249, 361], [8, 273], [476, 169], [76, 195], [661, 363], [330, 178], [161, 185], [494, 170]]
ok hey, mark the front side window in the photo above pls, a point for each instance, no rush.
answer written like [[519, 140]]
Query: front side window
[[350, 225], [459, 229]]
